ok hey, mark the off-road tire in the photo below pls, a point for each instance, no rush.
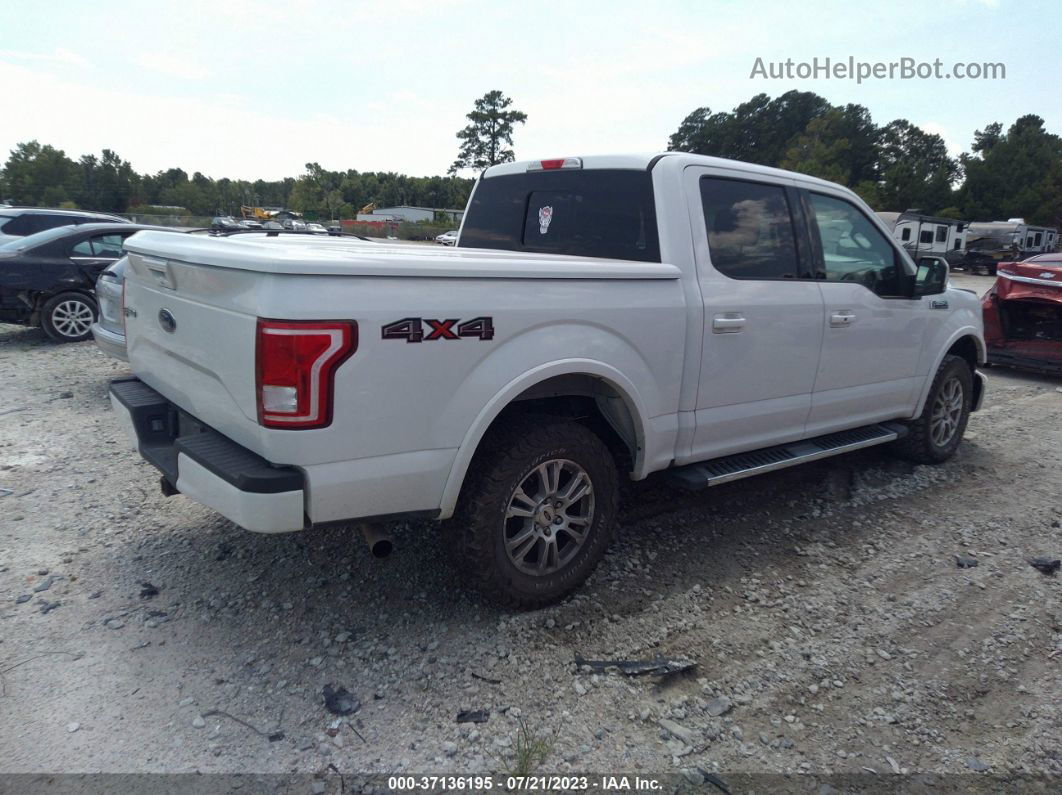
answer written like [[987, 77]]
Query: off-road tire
[[62, 316], [919, 445], [506, 457]]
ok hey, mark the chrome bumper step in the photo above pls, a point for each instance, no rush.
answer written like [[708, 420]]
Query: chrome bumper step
[[743, 465]]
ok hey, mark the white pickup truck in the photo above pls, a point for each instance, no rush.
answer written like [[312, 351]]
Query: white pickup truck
[[599, 316]]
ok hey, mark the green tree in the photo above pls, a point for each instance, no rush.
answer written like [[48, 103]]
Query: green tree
[[1016, 174], [32, 170], [839, 145], [915, 170], [760, 130], [487, 139]]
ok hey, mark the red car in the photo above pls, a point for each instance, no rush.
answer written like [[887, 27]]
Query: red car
[[1023, 314]]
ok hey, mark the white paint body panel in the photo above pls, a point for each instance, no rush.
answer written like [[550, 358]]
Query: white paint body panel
[[408, 417]]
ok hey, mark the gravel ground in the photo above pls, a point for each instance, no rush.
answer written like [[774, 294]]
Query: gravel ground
[[832, 629]]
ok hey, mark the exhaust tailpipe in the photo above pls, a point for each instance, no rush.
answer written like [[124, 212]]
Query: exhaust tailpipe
[[380, 543]]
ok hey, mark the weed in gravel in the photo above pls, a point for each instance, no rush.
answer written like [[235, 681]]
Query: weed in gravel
[[529, 751]]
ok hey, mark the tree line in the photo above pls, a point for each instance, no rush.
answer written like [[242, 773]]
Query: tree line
[[40, 175], [1012, 172], [1008, 172]]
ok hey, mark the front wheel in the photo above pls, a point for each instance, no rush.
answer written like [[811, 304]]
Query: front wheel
[[537, 510], [68, 317], [935, 435]]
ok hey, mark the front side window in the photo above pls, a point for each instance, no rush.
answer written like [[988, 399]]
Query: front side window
[[853, 249], [750, 229]]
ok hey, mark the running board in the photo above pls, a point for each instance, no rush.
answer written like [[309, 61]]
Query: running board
[[743, 465]]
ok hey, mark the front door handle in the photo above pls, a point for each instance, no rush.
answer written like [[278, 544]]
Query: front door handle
[[842, 319], [727, 323]]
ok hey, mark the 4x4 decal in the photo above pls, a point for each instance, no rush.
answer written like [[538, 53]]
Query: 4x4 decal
[[411, 329]]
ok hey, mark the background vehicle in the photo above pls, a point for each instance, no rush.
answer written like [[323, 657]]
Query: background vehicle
[[447, 238], [599, 316], [317, 229], [47, 279], [925, 235], [109, 328], [1023, 314], [250, 223], [22, 221], [225, 223], [993, 242]]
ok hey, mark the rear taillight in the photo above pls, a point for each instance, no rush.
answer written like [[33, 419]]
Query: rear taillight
[[296, 364]]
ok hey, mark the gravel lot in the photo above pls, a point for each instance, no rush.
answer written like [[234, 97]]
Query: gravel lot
[[832, 628]]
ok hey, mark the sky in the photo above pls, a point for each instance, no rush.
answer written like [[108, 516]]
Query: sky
[[256, 89]]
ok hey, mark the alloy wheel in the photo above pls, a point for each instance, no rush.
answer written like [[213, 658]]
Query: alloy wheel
[[947, 412], [548, 517], [72, 318]]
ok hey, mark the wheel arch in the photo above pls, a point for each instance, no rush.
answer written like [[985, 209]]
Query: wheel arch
[[616, 398], [965, 343]]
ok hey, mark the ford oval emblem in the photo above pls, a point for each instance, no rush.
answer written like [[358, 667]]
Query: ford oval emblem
[[167, 321]]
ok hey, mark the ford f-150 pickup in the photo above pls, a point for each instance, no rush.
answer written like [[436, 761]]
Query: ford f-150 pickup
[[599, 317]]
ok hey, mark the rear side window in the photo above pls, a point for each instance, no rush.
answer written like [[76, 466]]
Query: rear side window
[[750, 229], [588, 213], [40, 222]]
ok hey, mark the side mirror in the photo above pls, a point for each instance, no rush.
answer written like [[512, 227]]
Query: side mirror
[[932, 277]]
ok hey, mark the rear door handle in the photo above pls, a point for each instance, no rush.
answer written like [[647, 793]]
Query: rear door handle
[[842, 319], [727, 323]]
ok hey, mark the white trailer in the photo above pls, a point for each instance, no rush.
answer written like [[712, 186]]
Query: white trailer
[[927, 234]]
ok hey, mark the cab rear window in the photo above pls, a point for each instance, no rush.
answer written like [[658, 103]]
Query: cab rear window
[[588, 213]]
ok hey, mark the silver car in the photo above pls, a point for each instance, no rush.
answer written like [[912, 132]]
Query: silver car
[[109, 329]]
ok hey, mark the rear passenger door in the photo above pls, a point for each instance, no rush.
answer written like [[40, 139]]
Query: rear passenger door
[[93, 254], [763, 313], [873, 332]]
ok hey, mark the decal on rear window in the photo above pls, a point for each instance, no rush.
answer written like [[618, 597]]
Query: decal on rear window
[[545, 215]]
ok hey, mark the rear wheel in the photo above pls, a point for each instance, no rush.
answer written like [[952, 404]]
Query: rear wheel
[[935, 435], [68, 317], [537, 510]]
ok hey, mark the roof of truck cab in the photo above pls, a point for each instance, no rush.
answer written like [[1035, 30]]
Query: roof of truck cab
[[650, 160]]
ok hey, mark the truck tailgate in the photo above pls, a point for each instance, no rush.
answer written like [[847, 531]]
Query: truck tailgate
[[191, 335]]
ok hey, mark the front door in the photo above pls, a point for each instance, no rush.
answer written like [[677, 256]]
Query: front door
[[872, 335], [763, 314]]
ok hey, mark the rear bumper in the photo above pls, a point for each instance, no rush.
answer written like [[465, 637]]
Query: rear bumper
[[210, 468], [109, 342]]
